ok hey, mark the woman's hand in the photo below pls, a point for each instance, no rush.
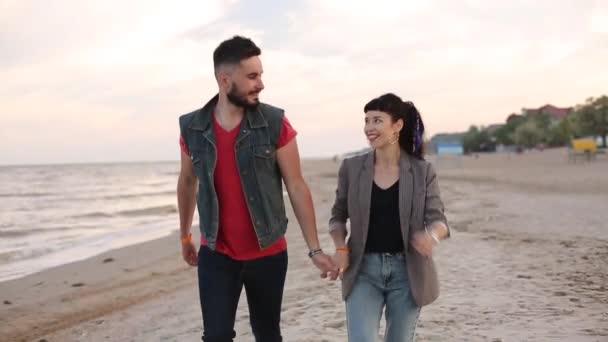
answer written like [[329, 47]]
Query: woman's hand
[[423, 242], [341, 260]]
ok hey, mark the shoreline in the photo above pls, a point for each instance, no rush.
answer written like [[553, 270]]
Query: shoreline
[[69, 255], [52, 292]]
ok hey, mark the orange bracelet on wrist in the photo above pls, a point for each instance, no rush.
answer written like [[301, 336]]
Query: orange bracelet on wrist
[[187, 239], [343, 249]]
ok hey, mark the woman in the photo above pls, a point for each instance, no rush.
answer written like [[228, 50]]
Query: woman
[[391, 197]]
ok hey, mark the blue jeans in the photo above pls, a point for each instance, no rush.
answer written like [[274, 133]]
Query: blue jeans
[[221, 280], [382, 283]]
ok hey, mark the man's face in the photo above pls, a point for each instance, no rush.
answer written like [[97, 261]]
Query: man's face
[[245, 83]]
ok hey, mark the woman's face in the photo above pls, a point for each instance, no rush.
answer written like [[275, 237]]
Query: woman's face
[[380, 129]]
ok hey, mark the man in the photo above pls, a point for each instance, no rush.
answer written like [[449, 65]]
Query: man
[[236, 151]]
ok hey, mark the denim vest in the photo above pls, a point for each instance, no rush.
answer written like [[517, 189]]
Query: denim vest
[[255, 151]]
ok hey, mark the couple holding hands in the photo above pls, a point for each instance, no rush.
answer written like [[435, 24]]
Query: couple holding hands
[[236, 154]]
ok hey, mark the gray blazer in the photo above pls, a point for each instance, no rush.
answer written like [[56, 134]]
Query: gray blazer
[[419, 205]]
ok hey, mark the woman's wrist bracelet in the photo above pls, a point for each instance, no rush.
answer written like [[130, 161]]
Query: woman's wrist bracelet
[[433, 235]]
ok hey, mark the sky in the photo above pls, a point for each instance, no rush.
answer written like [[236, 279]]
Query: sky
[[101, 81]]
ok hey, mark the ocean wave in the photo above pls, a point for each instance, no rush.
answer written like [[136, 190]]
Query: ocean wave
[[30, 253], [6, 257], [94, 196], [13, 233], [142, 194], [96, 214], [150, 211], [27, 194], [24, 232]]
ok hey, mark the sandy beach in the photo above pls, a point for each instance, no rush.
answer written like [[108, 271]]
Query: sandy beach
[[527, 261]]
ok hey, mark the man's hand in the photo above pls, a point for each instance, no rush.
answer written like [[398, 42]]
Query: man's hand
[[189, 253], [325, 264], [186, 202]]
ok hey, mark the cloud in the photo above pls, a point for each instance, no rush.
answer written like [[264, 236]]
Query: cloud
[[122, 72], [111, 70], [598, 22], [464, 63]]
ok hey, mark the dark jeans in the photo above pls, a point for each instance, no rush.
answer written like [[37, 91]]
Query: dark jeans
[[220, 281]]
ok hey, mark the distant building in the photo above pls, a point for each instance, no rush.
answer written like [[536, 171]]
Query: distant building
[[445, 140], [450, 149], [513, 117], [493, 128], [555, 113]]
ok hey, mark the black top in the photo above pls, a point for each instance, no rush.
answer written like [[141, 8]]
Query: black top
[[384, 234]]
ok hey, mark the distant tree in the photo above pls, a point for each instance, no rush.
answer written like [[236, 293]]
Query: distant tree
[[469, 141], [543, 124], [574, 125], [478, 140], [592, 117], [528, 134], [485, 142], [560, 134], [505, 135]]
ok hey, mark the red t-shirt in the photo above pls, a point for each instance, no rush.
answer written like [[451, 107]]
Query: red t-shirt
[[236, 235]]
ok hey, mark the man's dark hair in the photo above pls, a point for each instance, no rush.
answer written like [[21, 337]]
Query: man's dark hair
[[234, 50]]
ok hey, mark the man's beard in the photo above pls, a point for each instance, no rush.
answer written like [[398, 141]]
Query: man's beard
[[239, 99]]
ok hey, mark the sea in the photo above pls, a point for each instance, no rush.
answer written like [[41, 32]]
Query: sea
[[52, 215]]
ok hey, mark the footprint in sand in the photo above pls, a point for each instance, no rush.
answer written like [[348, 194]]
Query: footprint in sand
[[327, 306], [335, 325], [485, 204], [567, 244], [462, 226]]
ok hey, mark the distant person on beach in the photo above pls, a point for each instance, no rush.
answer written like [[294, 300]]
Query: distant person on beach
[[391, 197], [236, 153]]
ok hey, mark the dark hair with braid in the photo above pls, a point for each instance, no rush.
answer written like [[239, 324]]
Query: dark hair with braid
[[411, 136]]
